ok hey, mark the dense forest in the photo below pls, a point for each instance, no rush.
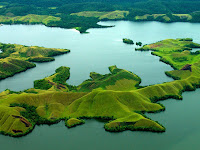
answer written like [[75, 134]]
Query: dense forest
[[22, 7], [64, 9]]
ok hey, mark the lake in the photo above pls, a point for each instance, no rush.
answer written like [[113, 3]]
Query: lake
[[95, 52]]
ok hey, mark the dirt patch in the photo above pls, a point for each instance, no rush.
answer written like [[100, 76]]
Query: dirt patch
[[187, 67], [155, 45], [58, 86], [23, 120], [17, 131]]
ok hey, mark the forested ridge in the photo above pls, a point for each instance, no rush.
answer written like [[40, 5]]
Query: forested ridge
[[64, 8], [21, 7]]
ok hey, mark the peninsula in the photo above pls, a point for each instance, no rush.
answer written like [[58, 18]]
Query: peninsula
[[18, 58], [116, 97]]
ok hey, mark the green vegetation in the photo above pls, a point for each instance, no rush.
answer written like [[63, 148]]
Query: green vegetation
[[174, 52], [31, 115], [76, 22], [72, 122], [52, 105], [82, 15], [62, 74], [171, 45], [29, 52], [128, 41], [131, 123], [135, 16], [116, 97], [118, 80], [41, 59], [17, 58], [123, 107], [11, 66], [64, 21], [195, 16], [42, 84], [29, 19], [55, 82], [139, 43], [164, 17], [113, 15]]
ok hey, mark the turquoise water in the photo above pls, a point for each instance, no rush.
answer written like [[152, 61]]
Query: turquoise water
[[95, 52]]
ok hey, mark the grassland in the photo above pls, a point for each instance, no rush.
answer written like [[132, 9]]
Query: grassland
[[120, 15], [11, 66], [17, 58], [164, 17], [118, 79], [124, 15], [113, 15], [72, 122], [121, 107], [115, 97], [175, 52], [29, 19], [50, 106]]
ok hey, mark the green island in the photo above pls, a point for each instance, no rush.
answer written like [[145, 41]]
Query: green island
[[83, 15], [18, 58], [116, 98], [139, 43], [128, 41], [72, 122]]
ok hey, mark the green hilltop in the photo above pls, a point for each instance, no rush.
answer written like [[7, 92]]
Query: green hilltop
[[118, 79], [175, 52], [17, 58]]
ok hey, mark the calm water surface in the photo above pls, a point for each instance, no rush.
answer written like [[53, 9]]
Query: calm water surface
[[95, 52]]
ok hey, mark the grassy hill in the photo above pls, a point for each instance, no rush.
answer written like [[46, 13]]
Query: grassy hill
[[108, 97], [17, 58], [118, 79], [113, 15], [136, 16], [11, 66], [55, 82], [121, 107], [175, 52], [28, 19], [164, 17]]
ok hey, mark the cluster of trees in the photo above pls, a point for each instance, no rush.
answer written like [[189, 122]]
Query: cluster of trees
[[71, 21], [128, 41], [42, 84], [195, 16], [62, 75], [31, 114], [23, 7], [6, 49]]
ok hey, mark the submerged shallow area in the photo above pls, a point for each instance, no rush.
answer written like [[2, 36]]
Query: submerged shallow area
[[123, 56]]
